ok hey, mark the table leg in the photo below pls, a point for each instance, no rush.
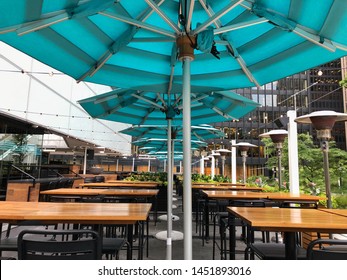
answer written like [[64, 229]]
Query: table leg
[[130, 241], [207, 221], [232, 236], [290, 245]]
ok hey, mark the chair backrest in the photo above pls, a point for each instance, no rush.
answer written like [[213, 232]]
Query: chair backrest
[[89, 180], [99, 179], [248, 203], [299, 204], [327, 249], [93, 199], [59, 245]]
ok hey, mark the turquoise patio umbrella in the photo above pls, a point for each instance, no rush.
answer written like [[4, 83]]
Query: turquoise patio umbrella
[[153, 108], [178, 47], [198, 132]]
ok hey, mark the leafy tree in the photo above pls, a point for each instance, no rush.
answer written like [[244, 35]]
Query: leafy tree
[[343, 82], [21, 141], [310, 158]]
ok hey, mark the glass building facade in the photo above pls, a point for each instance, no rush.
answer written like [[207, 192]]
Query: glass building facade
[[313, 90]]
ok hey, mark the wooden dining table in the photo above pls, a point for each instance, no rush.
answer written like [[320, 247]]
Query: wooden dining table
[[249, 195], [231, 195], [289, 221], [121, 184], [77, 213], [132, 182], [132, 195], [101, 192]]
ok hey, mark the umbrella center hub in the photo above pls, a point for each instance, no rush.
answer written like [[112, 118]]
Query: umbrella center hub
[[185, 45]]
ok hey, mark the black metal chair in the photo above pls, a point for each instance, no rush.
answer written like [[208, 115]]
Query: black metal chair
[[225, 222], [327, 249], [59, 245], [114, 236], [9, 243]]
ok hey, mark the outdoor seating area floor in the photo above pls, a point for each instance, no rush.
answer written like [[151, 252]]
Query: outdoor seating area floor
[[157, 248]]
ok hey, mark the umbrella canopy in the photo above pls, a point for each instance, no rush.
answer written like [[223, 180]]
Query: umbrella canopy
[[112, 42], [201, 132], [150, 108]]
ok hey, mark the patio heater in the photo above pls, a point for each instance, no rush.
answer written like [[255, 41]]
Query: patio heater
[[323, 122], [244, 148], [213, 162], [277, 136], [223, 154]]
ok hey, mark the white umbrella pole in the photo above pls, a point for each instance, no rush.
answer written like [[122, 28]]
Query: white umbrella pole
[[169, 193], [85, 161], [233, 161], [202, 166], [187, 186], [293, 152], [213, 165]]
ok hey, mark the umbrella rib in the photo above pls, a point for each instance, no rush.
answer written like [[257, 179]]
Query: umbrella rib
[[116, 46], [233, 27], [280, 21], [233, 51], [125, 38], [157, 9], [43, 23], [139, 24], [80, 10], [190, 14], [128, 101], [146, 116], [162, 100], [216, 16], [318, 40], [147, 101], [113, 95], [197, 136], [217, 110], [210, 12]]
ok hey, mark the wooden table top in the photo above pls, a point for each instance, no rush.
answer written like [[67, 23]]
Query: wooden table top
[[341, 212], [294, 197], [133, 182], [119, 184], [291, 219], [221, 187], [91, 213], [219, 184], [219, 194], [106, 192]]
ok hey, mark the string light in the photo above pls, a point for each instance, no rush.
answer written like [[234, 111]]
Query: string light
[[22, 71], [112, 132]]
